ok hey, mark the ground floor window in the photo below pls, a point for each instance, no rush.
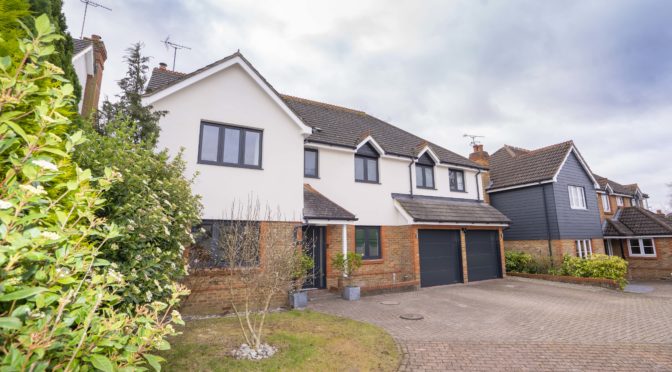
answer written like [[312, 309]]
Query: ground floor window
[[643, 247], [584, 248], [367, 241], [219, 242]]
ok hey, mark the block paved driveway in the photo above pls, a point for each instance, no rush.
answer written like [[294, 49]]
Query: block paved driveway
[[521, 324]]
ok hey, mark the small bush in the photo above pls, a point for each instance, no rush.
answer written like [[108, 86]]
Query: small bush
[[519, 262], [598, 266]]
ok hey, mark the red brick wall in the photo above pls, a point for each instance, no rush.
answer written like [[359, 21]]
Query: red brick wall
[[211, 291], [659, 267], [560, 247]]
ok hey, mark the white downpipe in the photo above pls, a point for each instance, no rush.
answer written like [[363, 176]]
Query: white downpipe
[[344, 240]]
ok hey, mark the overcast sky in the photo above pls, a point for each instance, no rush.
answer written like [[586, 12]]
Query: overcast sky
[[524, 73]]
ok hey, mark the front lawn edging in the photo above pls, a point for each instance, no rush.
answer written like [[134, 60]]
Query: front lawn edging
[[597, 282]]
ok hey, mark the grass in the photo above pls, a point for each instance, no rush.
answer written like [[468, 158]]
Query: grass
[[306, 340]]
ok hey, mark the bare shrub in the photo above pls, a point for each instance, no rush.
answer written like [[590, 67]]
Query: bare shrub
[[262, 255]]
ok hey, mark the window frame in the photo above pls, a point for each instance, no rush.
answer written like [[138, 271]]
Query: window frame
[[572, 205], [366, 255], [584, 248], [464, 184], [641, 248], [220, 145], [317, 163], [606, 203], [422, 168], [366, 169], [619, 201]]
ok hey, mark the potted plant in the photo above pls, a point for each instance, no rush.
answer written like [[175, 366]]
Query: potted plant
[[298, 298], [347, 265]]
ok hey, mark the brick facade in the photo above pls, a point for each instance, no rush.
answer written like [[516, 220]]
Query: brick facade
[[559, 247], [211, 291], [659, 267], [627, 202]]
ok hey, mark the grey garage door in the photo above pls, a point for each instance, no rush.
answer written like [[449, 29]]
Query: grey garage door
[[483, 258], [440, 257]]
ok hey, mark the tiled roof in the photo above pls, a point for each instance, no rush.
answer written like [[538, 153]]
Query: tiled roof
[[162, 77], [333, 125], [637, 221], [437, 209], [318, 206], [617, 187], [513, 166], [340, 126], [79, 45]]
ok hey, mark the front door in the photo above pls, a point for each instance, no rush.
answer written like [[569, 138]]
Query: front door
[[314, 241]]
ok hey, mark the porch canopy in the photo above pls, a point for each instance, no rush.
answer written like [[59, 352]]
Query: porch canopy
[[431, 209], [635, 222], [317, 207]]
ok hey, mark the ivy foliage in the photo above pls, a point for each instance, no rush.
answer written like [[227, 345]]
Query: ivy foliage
[[58, 297], [152, 205]]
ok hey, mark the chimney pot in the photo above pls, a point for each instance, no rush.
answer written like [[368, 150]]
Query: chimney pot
[[95, 37], [479, 156], [163, 65]]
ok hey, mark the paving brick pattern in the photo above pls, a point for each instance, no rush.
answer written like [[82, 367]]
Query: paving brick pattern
[[521, 324]]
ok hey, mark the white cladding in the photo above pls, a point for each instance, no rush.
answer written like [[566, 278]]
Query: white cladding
[[373, 203], [232, 96], [83, 65]]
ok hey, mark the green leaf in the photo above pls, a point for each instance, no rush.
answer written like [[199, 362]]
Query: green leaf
[[5, 62], [17, 129], [42, 25], [20, 294], [154, 361], [10, 322], [102, 363]]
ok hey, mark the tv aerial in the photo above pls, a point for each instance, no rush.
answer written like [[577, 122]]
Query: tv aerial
[[93, 4], [169, 44], [473, 137]]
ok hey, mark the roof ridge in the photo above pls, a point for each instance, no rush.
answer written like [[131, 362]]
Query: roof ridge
[[532, 152], [654, 217], [323, 104], [168, 71]]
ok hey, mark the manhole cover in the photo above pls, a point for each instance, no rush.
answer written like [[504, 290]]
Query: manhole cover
[[411, 316], [390, 303]]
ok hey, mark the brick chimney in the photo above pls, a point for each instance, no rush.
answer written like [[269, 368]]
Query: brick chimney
[[483, 158], [163, 65], [91, 87]]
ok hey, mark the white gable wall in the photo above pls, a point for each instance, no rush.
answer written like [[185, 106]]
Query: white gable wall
[[373, 203], [231, 96]]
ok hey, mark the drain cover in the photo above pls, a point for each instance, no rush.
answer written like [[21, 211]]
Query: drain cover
[[390, 303], [411, 316]]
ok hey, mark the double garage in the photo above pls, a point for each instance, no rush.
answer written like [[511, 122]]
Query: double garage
[[441, 256]]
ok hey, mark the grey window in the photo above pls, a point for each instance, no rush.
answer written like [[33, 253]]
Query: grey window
[[310, 163], [367, 241], [230, 146], [424, 172], [456, 180], [366, 164]]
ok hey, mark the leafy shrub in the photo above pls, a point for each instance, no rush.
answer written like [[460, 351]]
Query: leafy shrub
[[597, 266], [58, 301], [518, 262], [347, 264], [152, 205]]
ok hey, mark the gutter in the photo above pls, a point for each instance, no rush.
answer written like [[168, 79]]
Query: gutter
[[410, 175], [548, 224], [478, 189]]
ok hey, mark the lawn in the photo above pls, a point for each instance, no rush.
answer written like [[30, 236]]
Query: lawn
[[306, 340]]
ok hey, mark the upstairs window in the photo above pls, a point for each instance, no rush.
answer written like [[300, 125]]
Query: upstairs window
[[456, 180], [606, 205], [310, 164], [619, 201], [366, 164], [424, 172], [584, 248], [577, 197], [229, 146], [641, 248], [367, 241]]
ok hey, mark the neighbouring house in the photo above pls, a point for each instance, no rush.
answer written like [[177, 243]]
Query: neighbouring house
[[548, 193], [632, 232], [344, 180], [88, 59]]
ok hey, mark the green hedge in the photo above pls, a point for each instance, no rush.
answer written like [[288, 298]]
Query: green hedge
[[598, 266], [519, 262]]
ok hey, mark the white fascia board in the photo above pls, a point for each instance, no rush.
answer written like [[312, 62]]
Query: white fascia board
[[638, 237], [80, 54], [609, 189], [152, 98], [324, 222], [462, 224], [519, 186], [583, 164], [403, 212], [373, 142], [432, 155]]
